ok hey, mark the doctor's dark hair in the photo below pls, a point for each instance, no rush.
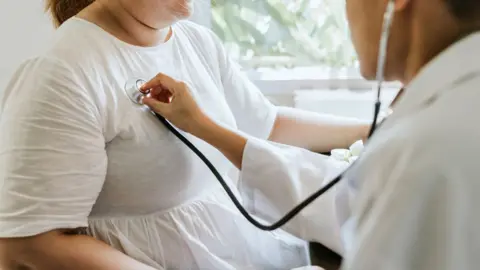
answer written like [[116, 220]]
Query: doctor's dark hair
[[467, 11], [62, 10]]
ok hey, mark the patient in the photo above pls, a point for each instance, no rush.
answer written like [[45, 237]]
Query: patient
[[89, 180]]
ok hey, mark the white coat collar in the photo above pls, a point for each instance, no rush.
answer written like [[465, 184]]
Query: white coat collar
[[455, 63]]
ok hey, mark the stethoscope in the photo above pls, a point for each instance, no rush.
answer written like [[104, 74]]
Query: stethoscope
[[132, 89]]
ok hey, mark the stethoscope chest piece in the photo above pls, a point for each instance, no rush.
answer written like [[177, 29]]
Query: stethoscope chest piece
[[132, 89]]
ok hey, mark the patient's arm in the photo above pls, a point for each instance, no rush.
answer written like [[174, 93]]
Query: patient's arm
[[56, 250], [317, 132]]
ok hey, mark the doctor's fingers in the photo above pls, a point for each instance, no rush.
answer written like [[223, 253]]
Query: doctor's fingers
[[172, 103], [161, 81], [160, 107], [161, 94]]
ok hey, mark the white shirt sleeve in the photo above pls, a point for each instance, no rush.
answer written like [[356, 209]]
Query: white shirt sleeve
[[275, 178], [52, 151], [254, 113]]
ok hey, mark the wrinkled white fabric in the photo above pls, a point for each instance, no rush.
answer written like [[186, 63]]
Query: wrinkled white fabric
[[417, 181], [275, 178], [75, 152], [409, 203]]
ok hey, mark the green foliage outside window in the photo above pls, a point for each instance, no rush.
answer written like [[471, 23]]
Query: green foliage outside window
[[284, 32]]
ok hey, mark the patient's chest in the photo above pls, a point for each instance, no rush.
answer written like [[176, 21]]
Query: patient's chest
[[149, 169]]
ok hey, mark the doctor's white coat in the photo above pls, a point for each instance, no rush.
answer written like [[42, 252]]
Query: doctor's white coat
[[411, 200]]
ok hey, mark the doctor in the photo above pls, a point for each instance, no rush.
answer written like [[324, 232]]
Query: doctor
[[409, 203]]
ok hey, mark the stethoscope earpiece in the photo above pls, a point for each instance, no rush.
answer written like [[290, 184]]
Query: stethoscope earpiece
[[132, 89]]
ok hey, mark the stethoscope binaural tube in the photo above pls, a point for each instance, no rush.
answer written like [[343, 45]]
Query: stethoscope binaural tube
[[132, 90]]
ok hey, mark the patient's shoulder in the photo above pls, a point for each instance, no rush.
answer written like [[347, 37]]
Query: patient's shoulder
[[82, 44], [200, 36], [193, 28]]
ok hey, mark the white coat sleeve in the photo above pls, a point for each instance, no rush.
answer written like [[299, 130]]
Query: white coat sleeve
[[275, 178], [415, 207], [400, 229]]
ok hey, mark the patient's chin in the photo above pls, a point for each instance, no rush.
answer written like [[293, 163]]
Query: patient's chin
[[185, 14], [184, 9]]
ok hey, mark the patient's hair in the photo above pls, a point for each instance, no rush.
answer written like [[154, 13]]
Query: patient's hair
[[62, 10]]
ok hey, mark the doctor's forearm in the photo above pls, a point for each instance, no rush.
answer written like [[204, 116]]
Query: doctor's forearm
[[226, 141], [317, 132]]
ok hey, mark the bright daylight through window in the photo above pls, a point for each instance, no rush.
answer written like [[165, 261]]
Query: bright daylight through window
[[286, 34], [295, 46]]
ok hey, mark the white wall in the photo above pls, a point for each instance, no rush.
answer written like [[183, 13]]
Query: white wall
[[24, 30]]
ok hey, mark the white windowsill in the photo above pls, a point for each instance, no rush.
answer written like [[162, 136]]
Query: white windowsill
[[286, 81], [342, 102]]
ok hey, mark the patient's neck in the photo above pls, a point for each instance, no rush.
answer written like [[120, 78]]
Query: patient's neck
[[113, 18]]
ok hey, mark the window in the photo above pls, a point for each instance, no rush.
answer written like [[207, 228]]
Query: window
[[302, 43], [293, 46], [289, 44], [284, 33]]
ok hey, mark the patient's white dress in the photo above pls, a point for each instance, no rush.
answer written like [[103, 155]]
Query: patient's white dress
[[76, 152]]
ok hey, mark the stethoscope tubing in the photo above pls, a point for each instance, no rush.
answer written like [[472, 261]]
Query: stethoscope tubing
[[287, 217], [131, 89]]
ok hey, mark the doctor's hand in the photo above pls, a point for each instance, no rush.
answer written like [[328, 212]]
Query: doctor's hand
[[172, 100]]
